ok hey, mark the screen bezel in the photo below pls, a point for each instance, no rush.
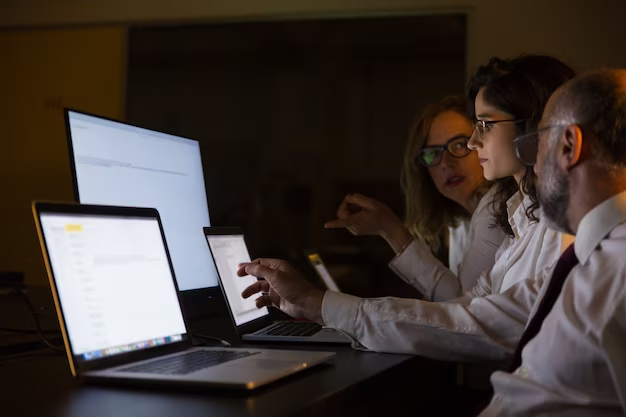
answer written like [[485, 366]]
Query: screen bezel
[[197, 303], [253, 325], [77, 363]]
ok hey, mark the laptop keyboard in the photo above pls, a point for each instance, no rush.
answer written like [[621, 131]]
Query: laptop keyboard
[[188, 362], [291, 328]]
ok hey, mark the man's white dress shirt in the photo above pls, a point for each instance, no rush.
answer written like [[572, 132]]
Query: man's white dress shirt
[[576, 365], [486, 323]]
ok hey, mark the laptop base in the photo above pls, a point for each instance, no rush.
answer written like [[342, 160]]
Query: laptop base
[[323, 336], [258, 369]]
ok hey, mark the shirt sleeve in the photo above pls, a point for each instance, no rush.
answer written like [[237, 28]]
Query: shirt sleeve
[[417, 266], [463, 329], [613, 340]]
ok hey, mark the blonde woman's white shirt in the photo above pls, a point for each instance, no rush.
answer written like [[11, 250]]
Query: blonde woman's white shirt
[[576, 365], [459, 243], [486, 323], [472, 251]]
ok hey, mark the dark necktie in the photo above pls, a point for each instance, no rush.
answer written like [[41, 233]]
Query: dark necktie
[[566, 263]]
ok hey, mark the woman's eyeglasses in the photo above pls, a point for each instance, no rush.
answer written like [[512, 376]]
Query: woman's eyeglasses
[[430, 156], [484, 126]]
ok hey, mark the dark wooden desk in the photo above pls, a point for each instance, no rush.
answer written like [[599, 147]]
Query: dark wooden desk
[[354, 383]]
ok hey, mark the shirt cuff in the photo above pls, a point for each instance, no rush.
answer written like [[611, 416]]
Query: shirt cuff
[[405, 265], [340, 310]]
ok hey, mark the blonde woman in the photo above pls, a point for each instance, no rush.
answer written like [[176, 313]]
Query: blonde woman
[[446, 205]]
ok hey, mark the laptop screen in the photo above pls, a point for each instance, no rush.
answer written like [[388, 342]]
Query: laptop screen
[[228, 252], [114, 283]]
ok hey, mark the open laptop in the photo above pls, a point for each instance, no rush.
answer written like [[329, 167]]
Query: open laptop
[[316, 262], [117, 303], [229, 249]]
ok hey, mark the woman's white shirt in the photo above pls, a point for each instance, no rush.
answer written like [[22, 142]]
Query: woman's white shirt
[[472, 251], [485, 323], [459, 243], [533, 247]]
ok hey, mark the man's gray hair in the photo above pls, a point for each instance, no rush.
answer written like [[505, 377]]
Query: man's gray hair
[[596, 101]]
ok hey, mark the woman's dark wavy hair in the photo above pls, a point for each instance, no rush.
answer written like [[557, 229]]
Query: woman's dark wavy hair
[[520, 87]]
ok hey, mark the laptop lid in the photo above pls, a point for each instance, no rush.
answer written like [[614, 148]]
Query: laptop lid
[[112, 281], [318, 265], [228, 248]]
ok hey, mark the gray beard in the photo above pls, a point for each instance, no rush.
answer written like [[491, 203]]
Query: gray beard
[[559, 226], [553, 194]]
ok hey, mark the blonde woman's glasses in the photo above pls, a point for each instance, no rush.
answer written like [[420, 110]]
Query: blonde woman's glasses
[[430, 156]]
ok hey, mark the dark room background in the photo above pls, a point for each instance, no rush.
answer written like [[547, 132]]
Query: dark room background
[[292, 115], [331, 84]]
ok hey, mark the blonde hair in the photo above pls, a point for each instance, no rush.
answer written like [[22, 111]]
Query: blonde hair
[[428, 214]]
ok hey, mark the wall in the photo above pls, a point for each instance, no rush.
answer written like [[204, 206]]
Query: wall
[[41, 71], [294, 114], [585, 33]]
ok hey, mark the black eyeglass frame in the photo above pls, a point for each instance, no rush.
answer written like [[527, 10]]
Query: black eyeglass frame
[[481, 125], [441, 149], [530, 141]]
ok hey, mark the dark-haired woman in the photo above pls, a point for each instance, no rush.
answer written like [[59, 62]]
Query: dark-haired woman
[[486, 323]]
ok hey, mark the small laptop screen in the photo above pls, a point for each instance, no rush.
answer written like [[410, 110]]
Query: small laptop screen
[[114, 283], [228, 252], [323, 273]]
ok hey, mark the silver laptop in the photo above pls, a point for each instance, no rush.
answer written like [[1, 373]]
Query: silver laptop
[[117, 302], [229, 249], [316, 262]]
